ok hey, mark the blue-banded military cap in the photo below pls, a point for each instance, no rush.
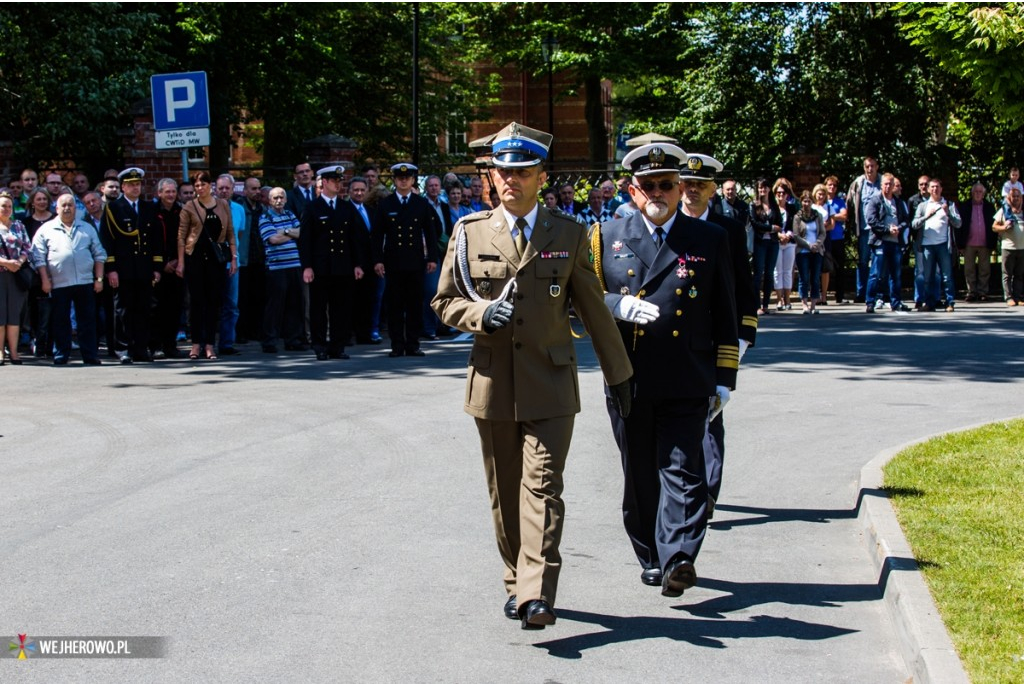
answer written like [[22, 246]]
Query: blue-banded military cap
[[333, 171], [700, 168], [132, 173], [655, 158], [519, 146], [404, 169]]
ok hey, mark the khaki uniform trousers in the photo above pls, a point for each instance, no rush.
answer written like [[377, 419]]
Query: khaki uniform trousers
[[523, 461]]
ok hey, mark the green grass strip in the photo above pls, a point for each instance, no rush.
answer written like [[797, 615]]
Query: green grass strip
[[960, 501]]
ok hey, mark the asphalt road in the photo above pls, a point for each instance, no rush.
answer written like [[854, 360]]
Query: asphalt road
[[282, 519]]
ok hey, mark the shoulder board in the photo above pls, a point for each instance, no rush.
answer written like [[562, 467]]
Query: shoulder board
[[562, 215], [477, 216]]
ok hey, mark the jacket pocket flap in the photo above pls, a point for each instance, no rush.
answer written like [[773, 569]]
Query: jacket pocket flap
[[480, 358], [562, 355], [550, 268], [488, 269]]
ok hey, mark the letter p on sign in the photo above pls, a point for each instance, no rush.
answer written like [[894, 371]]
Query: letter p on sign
[[179, 94]]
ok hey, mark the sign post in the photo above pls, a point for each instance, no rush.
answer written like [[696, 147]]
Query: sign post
[[181, 112]]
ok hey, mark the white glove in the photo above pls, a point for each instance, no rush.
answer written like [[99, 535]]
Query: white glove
[[635, 310], [743, 348], [718, 401]]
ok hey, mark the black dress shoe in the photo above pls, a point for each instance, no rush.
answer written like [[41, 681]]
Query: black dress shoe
[[510, 608], [296, 347], [396, 353], [126, 359], [338, 355], [416, 353], [536, 614], [92, 362], [679, 575], [651, 576]]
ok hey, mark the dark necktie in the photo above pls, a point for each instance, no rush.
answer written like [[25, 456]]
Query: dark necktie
[[135, 209], [521, 237], [405, 200], [331, 203], [309, 194], [659, 236]]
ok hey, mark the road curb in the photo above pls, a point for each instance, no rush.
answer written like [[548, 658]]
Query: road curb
[[923, 639]]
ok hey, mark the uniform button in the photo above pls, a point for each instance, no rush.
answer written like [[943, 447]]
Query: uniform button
[[641, 332], [679, 312], [675, 334], [679, 291], [642, 293]]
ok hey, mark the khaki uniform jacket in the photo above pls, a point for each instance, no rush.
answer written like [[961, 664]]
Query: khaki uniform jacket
[[527, 370]]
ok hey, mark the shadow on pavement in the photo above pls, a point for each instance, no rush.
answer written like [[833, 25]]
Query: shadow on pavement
[[698, 632]]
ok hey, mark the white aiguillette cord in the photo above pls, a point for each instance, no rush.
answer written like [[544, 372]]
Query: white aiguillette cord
[[461, 269]]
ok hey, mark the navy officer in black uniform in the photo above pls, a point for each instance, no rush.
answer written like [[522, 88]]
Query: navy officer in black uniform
[[668, 280], [698, 184], [405, 235], [135, 256], [332, 253]]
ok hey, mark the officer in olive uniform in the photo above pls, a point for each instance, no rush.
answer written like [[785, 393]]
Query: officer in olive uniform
[[669, 281], [698, 179], [404, 242], [510, 276], [135, 256], [332, 252]]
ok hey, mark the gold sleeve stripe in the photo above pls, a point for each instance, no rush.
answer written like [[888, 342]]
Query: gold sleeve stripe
[[729, 364], [749, 321], [729, 357]]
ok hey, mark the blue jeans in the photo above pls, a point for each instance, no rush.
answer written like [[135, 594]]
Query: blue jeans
[[808, 265], [229, 311], [766, 253], [920, 289], [885, 265], [863, 262], [430, 320], [937, 256]]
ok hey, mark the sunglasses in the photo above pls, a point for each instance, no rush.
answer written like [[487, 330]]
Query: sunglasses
[[663, 186]]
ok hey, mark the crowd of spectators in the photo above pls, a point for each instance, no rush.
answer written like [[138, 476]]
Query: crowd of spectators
[[228, 268]]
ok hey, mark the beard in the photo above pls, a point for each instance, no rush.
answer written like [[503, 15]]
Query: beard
[[656, 211]]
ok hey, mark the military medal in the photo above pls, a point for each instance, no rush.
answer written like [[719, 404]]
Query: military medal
[[555, 290], [681, 272], [617, 245], [624, 290], [693, 293], [484, 287]]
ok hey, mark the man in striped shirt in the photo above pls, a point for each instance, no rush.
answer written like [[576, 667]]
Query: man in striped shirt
[[279, 229]]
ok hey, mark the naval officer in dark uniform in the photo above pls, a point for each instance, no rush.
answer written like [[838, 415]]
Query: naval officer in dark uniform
[[510, 276], [332, 254], [135, 257], [405, 234], [668, 279], [698, 184]]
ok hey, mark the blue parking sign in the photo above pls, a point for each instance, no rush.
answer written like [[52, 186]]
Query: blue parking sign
[[180, 101]]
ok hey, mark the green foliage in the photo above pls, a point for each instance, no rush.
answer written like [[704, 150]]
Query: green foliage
[[70, 75], [977, 45], [958, 500]]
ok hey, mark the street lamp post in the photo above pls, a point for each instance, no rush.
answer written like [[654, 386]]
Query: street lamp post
[[548, 47]]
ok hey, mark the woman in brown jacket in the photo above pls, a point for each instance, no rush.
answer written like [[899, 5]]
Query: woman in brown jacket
[[205, 224]]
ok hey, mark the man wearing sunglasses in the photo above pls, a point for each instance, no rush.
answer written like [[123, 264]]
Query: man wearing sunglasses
[[668, 279]]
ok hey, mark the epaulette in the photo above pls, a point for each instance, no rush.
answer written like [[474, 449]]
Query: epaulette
[[478, 216], [557, 211]]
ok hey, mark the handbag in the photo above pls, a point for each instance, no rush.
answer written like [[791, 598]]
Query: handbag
[[221, 251], [23, 277]]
